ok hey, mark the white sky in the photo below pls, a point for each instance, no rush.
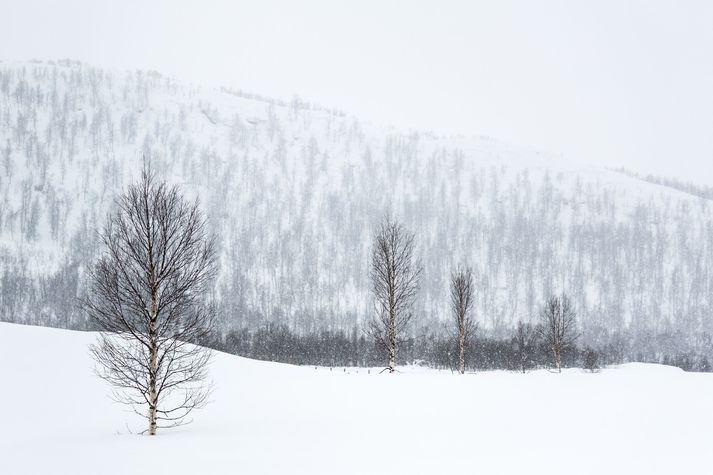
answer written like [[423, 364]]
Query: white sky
[[605, 82]]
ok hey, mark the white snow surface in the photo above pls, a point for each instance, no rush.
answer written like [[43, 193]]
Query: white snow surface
[[274, 418]]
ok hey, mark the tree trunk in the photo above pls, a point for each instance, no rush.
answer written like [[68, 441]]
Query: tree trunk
[[152, 395], [392, 348], [153, 369], [461, 355], [557, 359]]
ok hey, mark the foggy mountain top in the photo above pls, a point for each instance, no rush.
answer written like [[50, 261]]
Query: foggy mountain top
[[616, 85]]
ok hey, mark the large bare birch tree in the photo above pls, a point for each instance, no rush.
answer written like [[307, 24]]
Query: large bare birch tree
[[395, 277], [461, 304], [147, 295], [558, 327]]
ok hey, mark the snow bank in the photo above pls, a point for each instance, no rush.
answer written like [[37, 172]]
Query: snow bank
[[274, 418]]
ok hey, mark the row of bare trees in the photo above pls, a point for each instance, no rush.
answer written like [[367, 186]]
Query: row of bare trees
[[395, 276], [148, 291]]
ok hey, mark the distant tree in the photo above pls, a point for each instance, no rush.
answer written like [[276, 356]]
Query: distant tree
[[7, 160], [558, 329], [461, 305], [147, 296], [395, 279], [33, 220], [524, 342], [354, 347], [590, 360]]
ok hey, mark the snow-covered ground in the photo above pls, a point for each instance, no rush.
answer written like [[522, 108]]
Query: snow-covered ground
[[57, 418]]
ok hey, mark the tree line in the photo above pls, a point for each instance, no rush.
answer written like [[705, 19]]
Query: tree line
[[521, 351]]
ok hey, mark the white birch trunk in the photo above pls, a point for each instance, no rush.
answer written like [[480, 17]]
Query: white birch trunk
[[461, 353], [153, 368]]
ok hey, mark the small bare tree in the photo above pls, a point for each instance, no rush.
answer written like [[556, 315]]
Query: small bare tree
[[147, 296], [461, 304], [395, 279], [524, 339], [558, 327], [590, 360]]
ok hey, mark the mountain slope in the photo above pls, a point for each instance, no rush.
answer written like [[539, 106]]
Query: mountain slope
[[294, 193]]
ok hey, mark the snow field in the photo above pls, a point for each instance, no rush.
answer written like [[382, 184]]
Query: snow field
[[267, 417]]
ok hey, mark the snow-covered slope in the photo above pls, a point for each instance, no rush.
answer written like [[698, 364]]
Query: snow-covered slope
[[294, 193], [57, 418]]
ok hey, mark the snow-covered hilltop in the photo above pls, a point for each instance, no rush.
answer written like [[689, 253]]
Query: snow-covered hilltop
[[294, 193]]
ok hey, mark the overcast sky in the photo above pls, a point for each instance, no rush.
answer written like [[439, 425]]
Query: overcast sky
[[613, 83]]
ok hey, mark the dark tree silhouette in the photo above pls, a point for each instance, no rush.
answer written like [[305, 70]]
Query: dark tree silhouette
[[147, 295], [524, 342], [590, 360]]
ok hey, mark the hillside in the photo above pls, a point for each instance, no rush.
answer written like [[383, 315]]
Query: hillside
[[273, 418], [294, 192]]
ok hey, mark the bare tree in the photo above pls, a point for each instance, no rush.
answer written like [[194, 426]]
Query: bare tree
[[524, 339], [590, 360], [147, 295], [395, 279], [461, 304], [558, 327]]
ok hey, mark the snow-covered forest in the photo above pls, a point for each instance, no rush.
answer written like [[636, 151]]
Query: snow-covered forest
[[294, 193]]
